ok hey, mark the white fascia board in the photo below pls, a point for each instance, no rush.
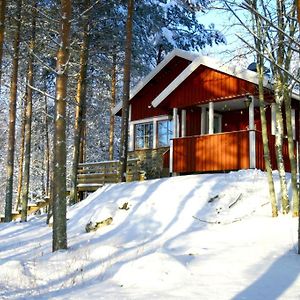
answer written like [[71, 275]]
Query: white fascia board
[[176, 52], [244, 74]]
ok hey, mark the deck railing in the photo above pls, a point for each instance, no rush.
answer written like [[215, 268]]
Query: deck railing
[[91, 176], [214, 152], [223, 152]]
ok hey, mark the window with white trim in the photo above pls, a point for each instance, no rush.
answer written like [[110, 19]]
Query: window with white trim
[[152, 133], [143, 135], [164, 133]]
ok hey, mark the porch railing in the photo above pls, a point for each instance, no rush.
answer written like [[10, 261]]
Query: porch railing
[[222, 152], [91, 176]]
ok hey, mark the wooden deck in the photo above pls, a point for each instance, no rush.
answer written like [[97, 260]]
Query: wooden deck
[[221, 152], [92, 176]]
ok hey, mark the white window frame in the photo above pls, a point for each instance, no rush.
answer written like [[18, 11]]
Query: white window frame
[[154, 121], [134, 141]]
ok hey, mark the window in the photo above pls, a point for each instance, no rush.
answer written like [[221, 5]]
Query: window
[[144, 135], [164, 133]]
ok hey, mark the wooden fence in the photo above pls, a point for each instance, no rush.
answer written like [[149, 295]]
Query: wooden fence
[[91, 176]]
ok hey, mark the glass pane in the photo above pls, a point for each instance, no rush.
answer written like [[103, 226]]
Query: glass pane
[[143, 136], [164, 133]]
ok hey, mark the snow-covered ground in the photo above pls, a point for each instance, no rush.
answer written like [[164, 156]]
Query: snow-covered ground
[[190, 237]]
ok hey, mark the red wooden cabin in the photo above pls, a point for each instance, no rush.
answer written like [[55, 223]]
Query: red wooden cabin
[[207, 114]]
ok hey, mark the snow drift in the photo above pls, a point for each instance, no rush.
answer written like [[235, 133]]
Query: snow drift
[[197, 237]]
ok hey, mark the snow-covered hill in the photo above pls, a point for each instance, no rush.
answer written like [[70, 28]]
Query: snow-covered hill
[[193, 237]]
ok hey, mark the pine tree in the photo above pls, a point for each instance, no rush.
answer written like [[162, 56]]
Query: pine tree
[[126, 88], [28, 119], [12, 115], [59, 240], [2, 29], [80, 111]]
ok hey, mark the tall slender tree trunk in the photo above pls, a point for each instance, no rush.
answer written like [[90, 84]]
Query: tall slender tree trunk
[[259, 44], [80, 113], [288, 114], [47, 148], [21, 159], [298, 17], [279, 155], [279, 97], [28, 120], [12, 116], [126, 89], [2, 29], [59, 240], [112, 105], [291, 147]]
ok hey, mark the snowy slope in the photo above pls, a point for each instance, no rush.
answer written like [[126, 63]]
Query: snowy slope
[[194, 237]]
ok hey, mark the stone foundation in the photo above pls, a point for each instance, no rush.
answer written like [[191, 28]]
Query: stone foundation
[[151, 161]]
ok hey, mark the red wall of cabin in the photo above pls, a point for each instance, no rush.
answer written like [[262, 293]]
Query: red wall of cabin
[[140, 104], [207, 84]]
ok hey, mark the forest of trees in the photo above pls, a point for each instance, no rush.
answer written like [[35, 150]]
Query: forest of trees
[[64, 64], [62, 69]]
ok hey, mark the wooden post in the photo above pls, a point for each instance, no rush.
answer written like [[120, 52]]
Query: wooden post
[[183, 123], [273, 119], [154, 134], [211, 118], [203, 119], [297, 158], [175, 135], [252, 152], [131, 132]]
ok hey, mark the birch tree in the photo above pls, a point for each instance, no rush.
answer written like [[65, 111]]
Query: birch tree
[[277, 40], [260, 70]]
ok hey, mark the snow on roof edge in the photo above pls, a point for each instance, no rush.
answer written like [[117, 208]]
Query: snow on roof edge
[[238, 72], [176, 52]]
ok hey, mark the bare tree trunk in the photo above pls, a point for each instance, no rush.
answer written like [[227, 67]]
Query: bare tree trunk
[[12, 116], [126, 89], [21, 159], [288, 114], [259, 44], [292, 157], [59, 240], [28, 120], [279, 98], [279, 155], [47, 148], [80, 113], [298, 17], [82, 152], [112, 105], [2, 28], [265, 139]]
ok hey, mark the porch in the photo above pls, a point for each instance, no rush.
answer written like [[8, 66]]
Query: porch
[[222, 152]]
